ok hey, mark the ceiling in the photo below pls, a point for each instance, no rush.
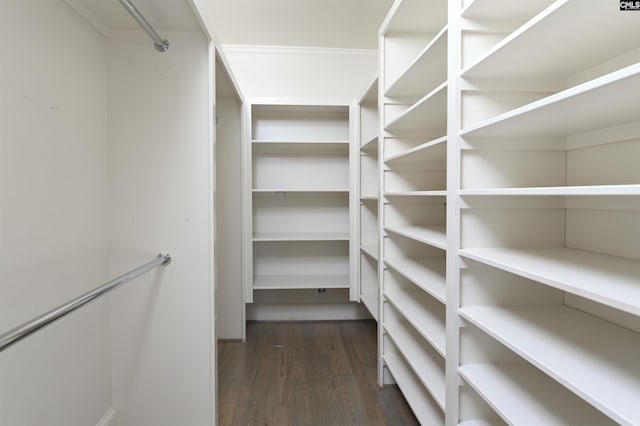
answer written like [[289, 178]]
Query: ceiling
[[316, 23]]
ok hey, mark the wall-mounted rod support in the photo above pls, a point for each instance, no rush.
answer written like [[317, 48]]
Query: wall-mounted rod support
[[160, 44], [18, 333]]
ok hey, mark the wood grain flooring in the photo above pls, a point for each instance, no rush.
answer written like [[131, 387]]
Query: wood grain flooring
[[307, 373]]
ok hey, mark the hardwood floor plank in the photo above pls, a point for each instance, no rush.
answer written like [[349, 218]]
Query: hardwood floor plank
[[311, 373]]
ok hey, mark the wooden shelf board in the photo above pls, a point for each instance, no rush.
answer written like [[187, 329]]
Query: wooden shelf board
[[431, 235], [430, 112], [430, 374], [600, 103], [595, 37], [427, 273], [523, 395], [428, 153], [595, 359], [504, 9], [421, 316], [609, 280], [370, 250], [417, 397], [300, 236], [277, 282], [370, 301], [594, 190], [421, 74]]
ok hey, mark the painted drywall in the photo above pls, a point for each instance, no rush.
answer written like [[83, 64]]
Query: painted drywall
[[229, 298], [53, 193], [160, 200], [292, 72]]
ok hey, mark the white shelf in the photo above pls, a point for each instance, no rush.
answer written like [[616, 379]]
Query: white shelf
[[422, 194], [433, 152], [431, 235], [367, 199], [600, 103], [596, 30], [481, 422], [429, 113], [278, 282], [370, 145], [370, 301], [427, 273], [419, 310], [504, 9], [425, 72], [596, 190], [309, 190], [289, 143], [421, 362], [416, 395], [415, 16], [609, 280], [593, 358], [523, 395], [370, 250], [320, 236]]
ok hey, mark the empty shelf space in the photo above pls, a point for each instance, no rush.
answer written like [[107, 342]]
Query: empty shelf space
[[416, 395], [429, 113], [370, 250], [594, 358], [277, 282], [415, 16], [426, 71], [595, 38], [421, 361], [422, 313], [523, 395], [594, 190], [432, 235], [605, 279], [600, 103], [320, 236], [433, 152], [427, 273]]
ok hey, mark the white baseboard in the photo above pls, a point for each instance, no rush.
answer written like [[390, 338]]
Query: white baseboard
[[306, 312], [109, 418]]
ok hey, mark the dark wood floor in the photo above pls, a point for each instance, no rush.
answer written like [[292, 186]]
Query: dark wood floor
[[309, 373]]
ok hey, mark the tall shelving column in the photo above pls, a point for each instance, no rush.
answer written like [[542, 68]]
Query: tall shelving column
[[549, 281], [413, 103], [299, 215], [369, 190]]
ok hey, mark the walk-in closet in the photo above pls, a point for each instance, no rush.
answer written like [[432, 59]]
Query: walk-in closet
[[285, 212]]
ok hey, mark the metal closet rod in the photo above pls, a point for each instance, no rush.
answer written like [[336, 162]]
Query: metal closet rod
[[159, 43], [18, 333]]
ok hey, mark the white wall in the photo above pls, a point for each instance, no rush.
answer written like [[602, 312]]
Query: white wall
[[293, 72], [53, 192], [229, 298], [160, 161]]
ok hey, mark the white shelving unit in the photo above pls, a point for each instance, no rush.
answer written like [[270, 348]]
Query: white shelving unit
[[548, 206], [413, 94], [510, 198], [369, 193], [299, 207]]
